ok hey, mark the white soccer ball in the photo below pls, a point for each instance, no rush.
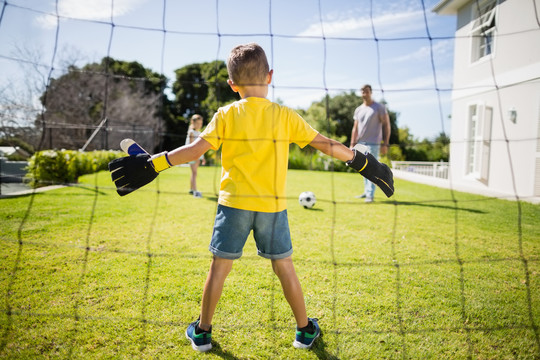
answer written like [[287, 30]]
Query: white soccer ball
[[307, 199]]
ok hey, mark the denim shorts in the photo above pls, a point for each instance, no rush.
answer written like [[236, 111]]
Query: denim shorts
[[232, 227]]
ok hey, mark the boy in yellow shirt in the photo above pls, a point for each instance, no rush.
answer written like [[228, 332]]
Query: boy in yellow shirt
[[254, 135]]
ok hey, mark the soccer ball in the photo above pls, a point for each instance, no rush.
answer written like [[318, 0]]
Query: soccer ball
[[307, 199]]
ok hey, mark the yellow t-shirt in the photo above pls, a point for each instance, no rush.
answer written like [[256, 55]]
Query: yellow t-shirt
[[255, 134]]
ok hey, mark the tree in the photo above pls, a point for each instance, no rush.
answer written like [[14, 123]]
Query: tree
[[128, 95], [219, 92], [333, 116], [426, 149], [19, 96], [440, 148], [394, 131], [198, 89], [407, 144], [341, 110], [190, 89], [315, 115]]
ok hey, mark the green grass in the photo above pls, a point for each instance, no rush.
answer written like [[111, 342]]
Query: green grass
[[432, 274]]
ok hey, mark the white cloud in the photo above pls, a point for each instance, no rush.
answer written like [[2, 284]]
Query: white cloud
[[89, 10], [444, 80], [350, 25], [440, 48]]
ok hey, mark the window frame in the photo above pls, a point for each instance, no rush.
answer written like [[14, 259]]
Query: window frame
[[483, 29], [478, 140]]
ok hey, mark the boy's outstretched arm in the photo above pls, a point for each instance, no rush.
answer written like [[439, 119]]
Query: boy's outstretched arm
[[136, 170], [332, 148], [189, 152], [359, 159]]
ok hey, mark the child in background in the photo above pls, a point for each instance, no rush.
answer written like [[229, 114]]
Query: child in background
[[195, 126]]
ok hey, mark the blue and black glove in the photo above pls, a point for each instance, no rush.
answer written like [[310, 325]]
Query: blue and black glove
[[132, 172], [373, 170]]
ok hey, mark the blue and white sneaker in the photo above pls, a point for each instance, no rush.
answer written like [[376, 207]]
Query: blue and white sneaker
[[202, 341], [305, 340]]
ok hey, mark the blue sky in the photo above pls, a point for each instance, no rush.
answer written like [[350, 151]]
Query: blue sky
[[313, 46]]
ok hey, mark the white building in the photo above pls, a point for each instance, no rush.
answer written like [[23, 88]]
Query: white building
[[495, 137]]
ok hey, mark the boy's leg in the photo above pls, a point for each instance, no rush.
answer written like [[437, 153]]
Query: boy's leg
[[219, 269], [292, 289]]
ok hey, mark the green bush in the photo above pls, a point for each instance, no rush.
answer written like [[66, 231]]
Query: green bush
[[65, 166]]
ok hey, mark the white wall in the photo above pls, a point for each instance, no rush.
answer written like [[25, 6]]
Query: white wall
[[502, 81]]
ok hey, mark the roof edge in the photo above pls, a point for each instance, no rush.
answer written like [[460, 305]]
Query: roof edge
[[449, 7]]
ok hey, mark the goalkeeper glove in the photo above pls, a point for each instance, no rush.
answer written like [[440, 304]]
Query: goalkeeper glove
[[373, 170], [132, 172]]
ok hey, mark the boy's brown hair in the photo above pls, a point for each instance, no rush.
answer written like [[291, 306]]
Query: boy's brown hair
[[247, 65]]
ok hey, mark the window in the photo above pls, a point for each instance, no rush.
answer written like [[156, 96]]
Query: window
[[537, 176], [478, 141], [483, 28], [471, 143]]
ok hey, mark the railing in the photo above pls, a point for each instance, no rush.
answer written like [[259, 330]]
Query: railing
[[428, 168]]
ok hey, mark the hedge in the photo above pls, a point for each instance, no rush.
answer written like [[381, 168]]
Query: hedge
[[65, 166]]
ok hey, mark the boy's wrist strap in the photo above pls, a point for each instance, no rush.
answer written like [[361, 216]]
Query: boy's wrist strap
[[161, 161]]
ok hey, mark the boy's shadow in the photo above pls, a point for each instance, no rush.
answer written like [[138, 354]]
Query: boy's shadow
[[319, 349], [217, 350]]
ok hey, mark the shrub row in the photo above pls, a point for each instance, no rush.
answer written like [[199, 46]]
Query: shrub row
[[65, 166]]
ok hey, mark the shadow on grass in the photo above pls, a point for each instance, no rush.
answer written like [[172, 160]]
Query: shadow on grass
[[217, 350], [211, 198], [431, 205], [313, 209], [319, 349], [90, 190]]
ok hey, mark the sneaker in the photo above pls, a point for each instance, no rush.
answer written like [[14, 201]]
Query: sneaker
[[305, 340], [202, 341], [197, 194], [369, 199], [190, 192]]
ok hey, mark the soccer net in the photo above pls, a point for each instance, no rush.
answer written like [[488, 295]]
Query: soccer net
[[450, 270]]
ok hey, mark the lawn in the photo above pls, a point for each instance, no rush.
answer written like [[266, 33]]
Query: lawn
[[429, 273]]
